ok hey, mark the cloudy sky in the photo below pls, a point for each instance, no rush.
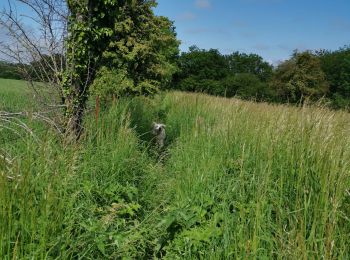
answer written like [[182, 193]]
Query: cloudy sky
[[270, 28]]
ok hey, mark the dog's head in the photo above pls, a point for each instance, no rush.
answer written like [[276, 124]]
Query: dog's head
[[157, 128]]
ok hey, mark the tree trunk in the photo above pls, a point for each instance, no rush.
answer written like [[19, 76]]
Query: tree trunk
[[75, 108], [74, 126]]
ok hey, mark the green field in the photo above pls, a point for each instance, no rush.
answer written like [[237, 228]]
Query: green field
[[237, 180], [14, 95]]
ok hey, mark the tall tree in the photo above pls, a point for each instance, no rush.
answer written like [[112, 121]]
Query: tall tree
[[89, 26], [203, 64], [300, 78]]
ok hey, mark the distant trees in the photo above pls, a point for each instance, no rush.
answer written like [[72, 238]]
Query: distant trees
[[246, 86], [306, 75], [9, 70], [249, 63], [201, 71], [211, 72], [248, 76], [300, 78], [336, 66]]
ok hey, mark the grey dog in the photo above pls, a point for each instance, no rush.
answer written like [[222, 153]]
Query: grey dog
[[159, 133]]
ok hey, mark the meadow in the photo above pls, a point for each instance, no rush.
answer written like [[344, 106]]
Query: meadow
[[236, 179]]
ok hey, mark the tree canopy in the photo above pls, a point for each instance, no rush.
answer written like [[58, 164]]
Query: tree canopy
[[227, 75], [299, 78], [336, 66], [141, 52]]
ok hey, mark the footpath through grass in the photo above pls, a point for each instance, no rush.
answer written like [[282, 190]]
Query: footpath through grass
[[237, 179]]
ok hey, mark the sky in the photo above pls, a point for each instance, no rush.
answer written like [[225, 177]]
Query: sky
[[270, 28]]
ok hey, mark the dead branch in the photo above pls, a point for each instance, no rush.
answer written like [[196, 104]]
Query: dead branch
[[36, 43], [12, 118]]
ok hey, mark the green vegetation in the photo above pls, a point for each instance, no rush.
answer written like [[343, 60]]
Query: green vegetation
[[300, 78], [14, 95], [141, 53], [305, 76], [336, 66], [109, 48], [237, 180], [9, 70], [121, 44]]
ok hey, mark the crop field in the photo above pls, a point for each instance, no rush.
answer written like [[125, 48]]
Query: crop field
[[235, 180]]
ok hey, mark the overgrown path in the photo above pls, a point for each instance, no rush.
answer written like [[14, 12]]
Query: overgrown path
[[249, 179], [239, 180]]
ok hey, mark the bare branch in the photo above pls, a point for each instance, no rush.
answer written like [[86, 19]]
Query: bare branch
[[36, 43]]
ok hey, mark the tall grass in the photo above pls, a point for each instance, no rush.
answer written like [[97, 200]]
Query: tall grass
[[257, 180], [236, 180], [15, 95]]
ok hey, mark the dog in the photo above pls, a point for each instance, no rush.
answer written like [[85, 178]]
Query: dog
[[159, 132]]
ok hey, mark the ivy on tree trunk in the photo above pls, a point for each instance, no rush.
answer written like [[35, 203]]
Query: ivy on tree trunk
[[123, 36]]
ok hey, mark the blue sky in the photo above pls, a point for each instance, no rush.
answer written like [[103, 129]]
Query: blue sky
[[270, 28]]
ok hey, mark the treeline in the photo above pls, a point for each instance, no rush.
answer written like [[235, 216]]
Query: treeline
[[40, 70], [305, 76], [9, 70]]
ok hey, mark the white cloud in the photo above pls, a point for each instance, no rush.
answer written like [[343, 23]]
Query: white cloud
[[203, 4]]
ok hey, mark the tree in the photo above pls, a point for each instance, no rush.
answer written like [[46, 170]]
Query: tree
[[71, 40], [300, 78], [246, 86], [204, 64], [225, 75], [126, 38], [201, 70], [249, 63], [336, 66], [141, 53]]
